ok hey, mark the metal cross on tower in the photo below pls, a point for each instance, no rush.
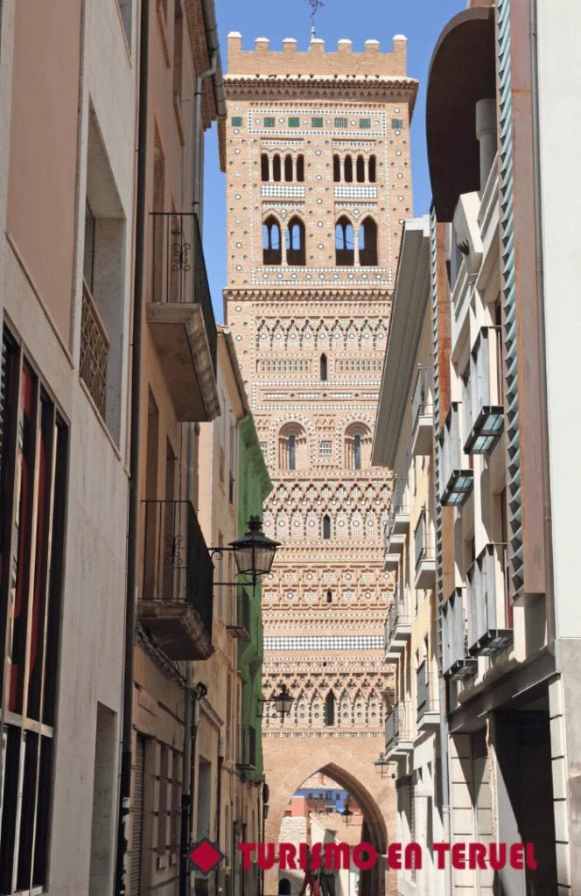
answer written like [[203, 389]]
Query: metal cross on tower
[[315, 7]]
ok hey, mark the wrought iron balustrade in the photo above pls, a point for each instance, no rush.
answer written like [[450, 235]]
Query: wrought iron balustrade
[[94, 355]]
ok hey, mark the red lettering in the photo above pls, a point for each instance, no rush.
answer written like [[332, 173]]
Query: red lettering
[[517, 855], [459, 855], [497, 856], [316, 856], [359, 856], [337, 856], [441, 849], [477, 855], [394, 855], [266, 856], [531, 857], [286, 853], [247, 849], [413, 856]]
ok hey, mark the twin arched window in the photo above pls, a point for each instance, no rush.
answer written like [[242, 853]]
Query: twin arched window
[[295, 244], [344, 243], [345, 248], [349, 169], [292, 447], [357, 446], [273, 168]]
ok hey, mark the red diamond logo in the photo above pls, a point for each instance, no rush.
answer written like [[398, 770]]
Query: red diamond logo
[[205, 856]]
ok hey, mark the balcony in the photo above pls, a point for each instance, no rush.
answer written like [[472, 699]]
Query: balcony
[[176, 600], [485, 414], [456, 476], [490, 614], [94, 352], [400, 730], [428, 714], [456, 663], [241, 628], [425, 554], [398, 518], [398, 628], [422, 413], [248, 750], [181, 318]]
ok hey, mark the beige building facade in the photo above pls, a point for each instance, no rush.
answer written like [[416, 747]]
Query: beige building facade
[[319, 185]]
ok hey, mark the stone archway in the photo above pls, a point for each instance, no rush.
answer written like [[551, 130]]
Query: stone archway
[[349, 762]]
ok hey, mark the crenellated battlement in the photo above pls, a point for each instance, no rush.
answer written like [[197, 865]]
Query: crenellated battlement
[[316, 60]]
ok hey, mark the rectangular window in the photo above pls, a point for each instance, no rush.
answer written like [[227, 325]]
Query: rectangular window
[[397, 124], [33, 477], [341, 123], [325, 448], [364, 124], [294, 122], [317, 122], [269, 122], [236, 121]]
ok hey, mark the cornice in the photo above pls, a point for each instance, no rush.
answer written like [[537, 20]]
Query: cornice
[[377, 88], [331, 294]]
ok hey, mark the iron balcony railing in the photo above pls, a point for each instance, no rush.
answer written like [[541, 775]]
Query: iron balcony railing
[[398, 616], [422, 689], [177, 564], [179, 268], [248, 748], [241, 627], [397, 508], [424, 547], [399, 725], [456, 662], [489, 608], [94, 356], [422, 405]]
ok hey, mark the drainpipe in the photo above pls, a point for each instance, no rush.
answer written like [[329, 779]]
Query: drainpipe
[[133, 509], [215, 72], [445, 775]]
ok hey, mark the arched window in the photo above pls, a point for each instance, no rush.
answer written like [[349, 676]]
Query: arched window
[[276, 168], [288, 168], [265, 166], [348, 170], [329, 714], [295, 242], [329, 597], [336, 169], [292, 447], [368, 243], [360, 170], [300, 168], [326, 527], [372, 169], [271, 244], [357, 446], [344, 244], [323, 368]]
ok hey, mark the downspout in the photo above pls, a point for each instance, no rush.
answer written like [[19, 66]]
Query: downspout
[[214, 72], [543, 398], [445, 773], [133, 509]]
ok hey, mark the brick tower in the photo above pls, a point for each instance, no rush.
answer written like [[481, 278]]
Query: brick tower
[[319, 184]]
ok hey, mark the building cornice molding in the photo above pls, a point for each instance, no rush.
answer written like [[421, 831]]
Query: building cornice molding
[[331, 294], [359, 88]]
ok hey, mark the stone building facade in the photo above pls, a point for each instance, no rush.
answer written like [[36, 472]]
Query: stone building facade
[[319, 186]]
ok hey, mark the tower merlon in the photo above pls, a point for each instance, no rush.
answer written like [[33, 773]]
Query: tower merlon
[[316, 59]]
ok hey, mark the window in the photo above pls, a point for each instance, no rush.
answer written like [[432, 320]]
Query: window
[[269, 122], [33, 481], [296, 250], [348, 170], [288, 168], [397, 124], [323, 368], [325, 448], [300, 168], [291, 447], [316, 122], [357, 451], [329, 597], [372, 169], [276, 169], [329, 714], [364, 124], [360, 170], [344, 243], [236, 121], [368, 243], [271, 244], [357, 446], [341, 123], [291, 463], [336, 169], [294, 122], [326, 527], [264, 167]]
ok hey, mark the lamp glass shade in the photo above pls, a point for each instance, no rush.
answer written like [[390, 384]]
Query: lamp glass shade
[[282, 702], [254, 552]]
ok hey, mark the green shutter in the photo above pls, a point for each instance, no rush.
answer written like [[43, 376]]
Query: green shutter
[[317, 122], [269, 122], [364, 124], [294, 122], [236, 121], [341, 122]]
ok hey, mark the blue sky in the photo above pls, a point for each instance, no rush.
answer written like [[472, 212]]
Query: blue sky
[[420, 20]]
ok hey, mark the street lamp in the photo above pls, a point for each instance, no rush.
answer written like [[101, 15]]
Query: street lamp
[[282, 702], [382, 765], [253, 552], [347, 814]]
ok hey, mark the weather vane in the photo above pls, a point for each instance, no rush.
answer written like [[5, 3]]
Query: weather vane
[[315, 7]]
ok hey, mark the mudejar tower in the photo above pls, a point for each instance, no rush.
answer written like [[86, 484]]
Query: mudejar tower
[[319, 184]]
